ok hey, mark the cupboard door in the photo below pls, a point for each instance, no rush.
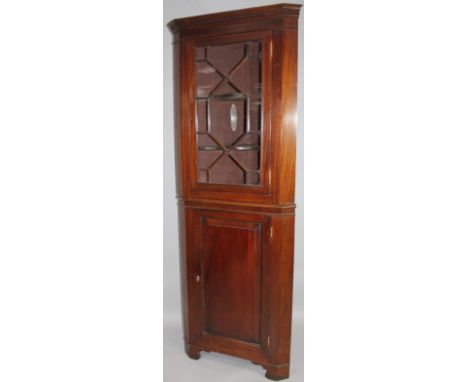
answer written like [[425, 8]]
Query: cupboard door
[[231, 140], [231, 260], [228, 118]]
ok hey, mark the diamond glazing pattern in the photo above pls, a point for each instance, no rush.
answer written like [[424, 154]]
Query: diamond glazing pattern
[[228, 118]]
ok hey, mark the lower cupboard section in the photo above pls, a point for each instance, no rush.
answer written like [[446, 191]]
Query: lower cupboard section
[[237, 284]]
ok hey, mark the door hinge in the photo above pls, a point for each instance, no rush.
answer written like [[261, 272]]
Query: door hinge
[[271, 233], [268, 341]]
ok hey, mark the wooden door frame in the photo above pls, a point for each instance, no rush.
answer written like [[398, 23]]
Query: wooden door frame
[[233, 346]]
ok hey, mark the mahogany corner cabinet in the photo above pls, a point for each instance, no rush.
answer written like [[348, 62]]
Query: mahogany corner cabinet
[[235, 85]]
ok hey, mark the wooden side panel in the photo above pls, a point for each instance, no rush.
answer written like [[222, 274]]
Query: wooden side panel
[[177, 137], [281, 273], [284, 96], [184, 113], [183, 272], [188, 268]]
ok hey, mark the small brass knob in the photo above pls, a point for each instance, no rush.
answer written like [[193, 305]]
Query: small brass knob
[[197, 278]]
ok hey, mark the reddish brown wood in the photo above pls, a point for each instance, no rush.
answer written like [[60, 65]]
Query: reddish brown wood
[[236, 241], [193, 351], [230, 278], [222, 205], [278, 16], [277, 373]]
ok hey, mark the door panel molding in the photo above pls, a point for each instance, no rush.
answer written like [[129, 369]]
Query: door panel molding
[[238, 241]]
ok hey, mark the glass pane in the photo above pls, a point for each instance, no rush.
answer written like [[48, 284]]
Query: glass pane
[[228, 118]]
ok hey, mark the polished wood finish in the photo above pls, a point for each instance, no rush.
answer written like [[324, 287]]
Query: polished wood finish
[[230, 276], [237, 236]]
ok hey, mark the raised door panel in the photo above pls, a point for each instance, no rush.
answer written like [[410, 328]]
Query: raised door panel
[[232, 256], [231, 275]]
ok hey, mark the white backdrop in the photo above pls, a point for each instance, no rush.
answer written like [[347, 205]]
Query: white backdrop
[[80, 204]]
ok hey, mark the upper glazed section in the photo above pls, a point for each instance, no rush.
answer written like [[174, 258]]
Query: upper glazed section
[[250, 19]]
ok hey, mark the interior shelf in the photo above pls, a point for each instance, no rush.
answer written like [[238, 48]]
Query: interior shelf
[[236, 147], [229, 96]]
